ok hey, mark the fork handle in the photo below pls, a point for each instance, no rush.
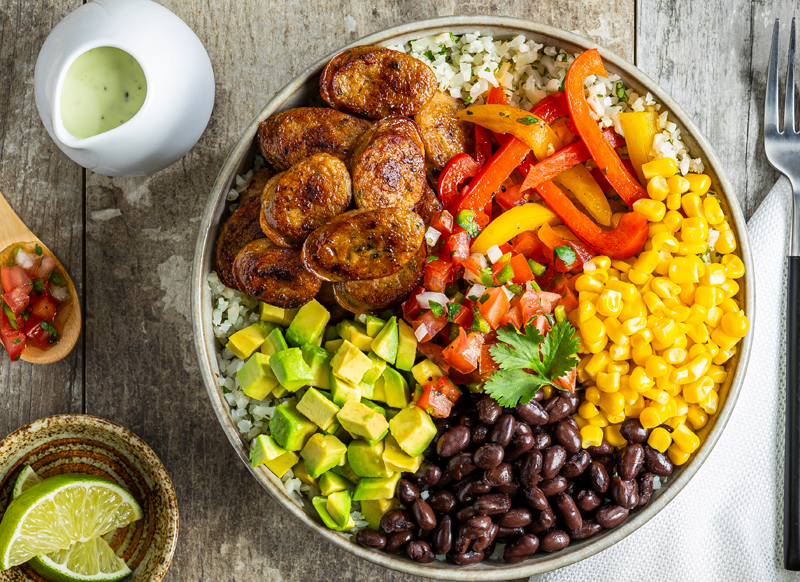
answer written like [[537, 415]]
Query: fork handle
[[791, 483]]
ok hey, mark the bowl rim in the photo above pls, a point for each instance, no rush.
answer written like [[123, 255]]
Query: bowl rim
[[143, 451], [204, 339]]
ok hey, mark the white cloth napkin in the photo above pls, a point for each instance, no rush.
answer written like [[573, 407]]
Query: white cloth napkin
[[727, 523]]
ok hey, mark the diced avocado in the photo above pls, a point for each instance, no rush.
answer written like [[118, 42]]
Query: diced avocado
[[374, 510], [333, 429], [413, 430], [308, 325], [274, 343], [391, 413], [338, 507], [273, 314], [355, 333], [373, 406], [367, 390], [372, 375], [322, 453], [344, 391], [379, 390], [376, 488], [386, 342], [332, 346], [374, 325], [396, 389], [358, 419], [349, 363], [279, 391], [407, 346], [330, 482], [347, 472], [426, 372], [377, 440], [330, 333], [256, 377], [282, 464], [291, 369], [320, 504], [318, 408], [289, 428], [320, 363], [245, 341], [367, 460], [265, 449], [299, 471], [396, 460]]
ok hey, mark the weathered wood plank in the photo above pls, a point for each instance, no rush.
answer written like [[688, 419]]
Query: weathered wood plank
[[45, 189], [141, 370]]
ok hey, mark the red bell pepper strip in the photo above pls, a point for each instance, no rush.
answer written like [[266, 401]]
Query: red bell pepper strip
[[460, 168], [483, 145], [497, 96], [492, 175], [511, 197], [626, 185], [551, 107], [621, 243]]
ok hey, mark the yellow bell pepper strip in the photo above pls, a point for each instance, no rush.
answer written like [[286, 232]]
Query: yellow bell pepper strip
[[589, 63], [512, 222], [523, 125], [579, 181], [640, 128]]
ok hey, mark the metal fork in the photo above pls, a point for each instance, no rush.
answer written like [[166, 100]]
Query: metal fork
[[783, 152]]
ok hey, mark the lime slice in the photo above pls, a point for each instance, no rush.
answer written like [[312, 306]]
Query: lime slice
[[27, 479], [60, 511]]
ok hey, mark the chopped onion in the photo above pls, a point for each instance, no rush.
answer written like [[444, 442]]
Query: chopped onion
[[494, 253], [476, 291], [23, 259], [60, 293], [589, 265], [420, 332], [425, 298], [361, 318], [713, 235], [432, 236], [508, 293], [471, 277]]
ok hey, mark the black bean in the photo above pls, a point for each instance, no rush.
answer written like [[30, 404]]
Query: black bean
[[407, 492], [532, 413], [610, 516], [645, 483], [505, 533], [608, 462], [515, 517], [476, 526], [535, 498], [511, 489], [603, 448], [553, 458], [522, 428], [631, 461], [570, 515], [503, 430], [465, 514], [574, 399], [521, 443], [479, 435], [554, 540], [587, 500], [453, 441], [466, 558], [442, 539], [567, 436], [633, 431], [470, 488], [576, 465], [657, 462], [469, 419], [488, 456], [556, 408], [398, 520], [541, 441], [529, 468], [442, 500], [492, 504], [598, 477], [553, 486], [427, 475], [445, 480], [423, 534], [420, 552], [546, 518], [535, 528], [524, 546], [369, 538], [500, 475], [488, 409], [397, 541], [624, 492], [587, 530], [461, 543], [460, 466], [424, 514], [483, 542]]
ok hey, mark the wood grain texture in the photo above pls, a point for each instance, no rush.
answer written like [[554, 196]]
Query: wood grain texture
[[45, 189]]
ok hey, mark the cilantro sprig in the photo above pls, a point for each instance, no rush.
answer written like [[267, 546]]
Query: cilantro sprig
[[519, 354]]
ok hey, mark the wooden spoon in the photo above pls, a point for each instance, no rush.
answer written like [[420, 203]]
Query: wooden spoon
[[13, 232]]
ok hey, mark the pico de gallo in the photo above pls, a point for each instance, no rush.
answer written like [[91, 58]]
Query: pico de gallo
[[34, 300]]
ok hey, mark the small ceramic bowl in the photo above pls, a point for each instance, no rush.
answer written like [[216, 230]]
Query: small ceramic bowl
[[76, 443]]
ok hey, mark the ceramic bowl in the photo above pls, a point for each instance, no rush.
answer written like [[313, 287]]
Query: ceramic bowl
[[300, 92], [75, 443]]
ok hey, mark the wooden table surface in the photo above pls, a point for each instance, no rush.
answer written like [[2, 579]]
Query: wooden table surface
[[129, 242]]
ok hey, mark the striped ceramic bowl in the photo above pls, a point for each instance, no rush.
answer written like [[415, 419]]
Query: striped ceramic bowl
[[75, 443]]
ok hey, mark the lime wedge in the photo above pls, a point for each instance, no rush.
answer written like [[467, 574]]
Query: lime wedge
[[60, 511], [27, 479]]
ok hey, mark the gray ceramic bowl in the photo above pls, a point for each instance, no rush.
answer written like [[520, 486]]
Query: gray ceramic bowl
[[300, 92], [76, 443]]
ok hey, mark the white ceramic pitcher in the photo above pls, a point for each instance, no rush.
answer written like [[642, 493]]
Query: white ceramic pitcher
[[180, 85]]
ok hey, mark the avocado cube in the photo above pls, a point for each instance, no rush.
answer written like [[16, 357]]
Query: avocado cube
[[330, 482], [373, 406], [274, 343], [377, 488], [379, 390], [343, 391], [374, 372], [398, 394], [386, 342], [377, 440], [332, 346], [374, 325], [245, 341], [308, 324], [338, 506], [349, 363], [265, 449], [282, 464], [367, 460], [374, 510], [426, 372], [291, 369], [361, 420], [407, 346], [413, 430], [256, 377], [367, 390], [272, 314], [320, 363], [330, 333], [279, 392], [391, 413], [318, 408], [289, 428], [320, 504], [355, 333], [321, 453], [346, 471], [299, 471], [396, 460]]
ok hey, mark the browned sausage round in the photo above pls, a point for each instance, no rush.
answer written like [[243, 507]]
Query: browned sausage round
[[363, 244], [290, 136], [304, 197], [388, 125], [376, 82], [444, 134], [429, 205], [273, 275], [378, 294], [241, 228], [389, 172]]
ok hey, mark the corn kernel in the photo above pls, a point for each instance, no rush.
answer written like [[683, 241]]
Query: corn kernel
[[677, 455], [547, 391], [665, 167], [587, 296], [581, 422], [646, 262], [612, 404], [609, 304], [660, 439], [691, 205], [600, 420], [735, 324], [615, 332], [698, 183], [729, 289], [714, 316], [664, 383], [653, 210], [592, 331], [666, 331], [697, 314], [675, 421], [615, 418], [687, 293], [734, 267], [608, 382], [730, 306], [695, 392], [587, 410], [620, 368], [710, 403], [715, 275], [692, 248], [641, 354], [586, 310], [592, 394], [640, 381], [589, 284], [619, 353], [717, 374], [656, 366], [635, 409], [657, 395], [650, 418], [706, 296], [657, 188], [634, 324], [641, 338], [724, 340], [696, 350], [634, 309], [614, 437], [684, 270], [681, 407], [596, 364], [694, 230], [664, 288], [678, 185], [724, 355], [674, 201], [628, 394], [698, 333], [591, 436], [697, 417], [712, 210], [627, 291], [726, 242], [673, 219], [674, 356], [685, 439], [692, 371], [654, 303]]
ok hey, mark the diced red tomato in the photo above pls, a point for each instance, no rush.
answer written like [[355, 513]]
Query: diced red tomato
[[569, 300], [545, 280], [512, 316], [530, 245], [522, 270], [39, 337], [432, 325], [487, 366], [18, 299], [567, 381], [437, 275], [13, 277], [433, 402], [433, 352], [495, 307], [472, 265], [464, 352], [465, 317], [506, 248], [542, 324], [450, 390], [44, 306], [411, 307], [458, 247], [13, 340], [443, 222], [42, 267], [536, 302]]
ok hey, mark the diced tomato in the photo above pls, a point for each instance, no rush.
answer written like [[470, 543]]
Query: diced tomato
[[553, 241], [522, 270], [432, 325], [530, 245], [512, 316], [458, 247], [495, 307], [465, 317], [18, 299], [567, 381], [569, 300], [13, 277], [39, 337], [411, 307], [472, 265], [487, 366], [533, 303], [446, 387], [464, 352], [433, 352], [433, 402], [506, 248], [44, 306], [13, 340], [443, 222], [542, 324], [437, 274], [482, 219], [545, 280], [497, 267], [42, 267]]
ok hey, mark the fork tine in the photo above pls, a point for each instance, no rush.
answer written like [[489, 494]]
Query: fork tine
[[771, 103], [788, 103]]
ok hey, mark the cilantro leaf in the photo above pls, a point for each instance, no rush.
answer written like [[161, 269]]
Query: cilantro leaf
[[527, 120], [559, 349], [453, 310], [516, 351], [566, 254], [512, 387]]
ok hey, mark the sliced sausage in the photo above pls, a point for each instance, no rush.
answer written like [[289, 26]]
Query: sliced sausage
[[444, 134], [388, 125], [242, 227], [389, 172], [376, 295], [363, 244], [429, 205], [377, 82], [304, 197], [256, 185], [274, 275], [290, 136]]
